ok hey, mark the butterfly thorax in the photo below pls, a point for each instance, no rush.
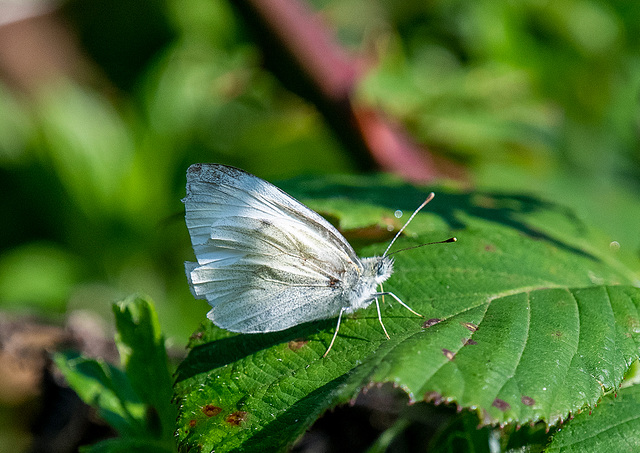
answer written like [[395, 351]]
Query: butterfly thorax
[[371, 274]]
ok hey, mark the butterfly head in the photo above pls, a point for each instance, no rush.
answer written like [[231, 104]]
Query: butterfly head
[[378, 267]]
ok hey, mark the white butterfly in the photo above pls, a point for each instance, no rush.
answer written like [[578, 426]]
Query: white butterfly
[[266, 262]]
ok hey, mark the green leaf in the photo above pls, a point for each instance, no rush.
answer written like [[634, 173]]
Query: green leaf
[[530, 317], [137, 402], [614, 426], [143, 354], [106, 388], [127, 445]]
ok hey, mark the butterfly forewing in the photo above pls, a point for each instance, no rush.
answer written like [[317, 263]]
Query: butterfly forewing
[[215, 192], [265, 261]]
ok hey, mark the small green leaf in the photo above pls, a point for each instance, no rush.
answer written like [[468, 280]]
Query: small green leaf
[[530, 316], [143, 354], [127, 445], [106, 388], [137, 402]]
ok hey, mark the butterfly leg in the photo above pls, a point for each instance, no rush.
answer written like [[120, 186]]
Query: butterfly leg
[[403, 304], [380, 319], [336, 332], [383, 293]]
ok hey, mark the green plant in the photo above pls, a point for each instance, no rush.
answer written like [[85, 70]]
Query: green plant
[[136, 402]]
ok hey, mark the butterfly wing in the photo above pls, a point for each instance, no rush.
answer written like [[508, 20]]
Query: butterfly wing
[[265, 262]]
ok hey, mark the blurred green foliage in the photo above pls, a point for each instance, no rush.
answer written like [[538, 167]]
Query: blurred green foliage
[[533, 96], [530, 96]]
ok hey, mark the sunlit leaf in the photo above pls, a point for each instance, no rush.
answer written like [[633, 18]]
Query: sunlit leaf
[[528, 317]]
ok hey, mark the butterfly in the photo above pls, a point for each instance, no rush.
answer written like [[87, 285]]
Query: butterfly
[[266, 262]]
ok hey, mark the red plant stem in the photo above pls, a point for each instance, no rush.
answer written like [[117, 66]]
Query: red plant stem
[[302, 53]]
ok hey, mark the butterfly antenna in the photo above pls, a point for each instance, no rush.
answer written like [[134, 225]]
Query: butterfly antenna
[[424, 203], [422, 245]]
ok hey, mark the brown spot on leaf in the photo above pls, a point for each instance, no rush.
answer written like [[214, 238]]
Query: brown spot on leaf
[[501, 404], [430, 322], [469, 342], [197, 336], [489, 248], [368, 235], [486, 417], [210, 410], [528, 401], [469, 326], [298, 343], [448, 354], [557, 334], [433, 397], [192, 423], [236, 418], [633, 323], [485, 201]]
